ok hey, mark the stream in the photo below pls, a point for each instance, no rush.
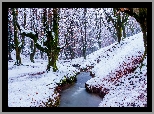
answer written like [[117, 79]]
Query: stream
[[77, 96]]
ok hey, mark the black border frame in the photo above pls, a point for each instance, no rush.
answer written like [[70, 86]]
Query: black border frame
[[6, 5]]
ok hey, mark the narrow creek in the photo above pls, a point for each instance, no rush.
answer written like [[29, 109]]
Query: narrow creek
[[77, 96]]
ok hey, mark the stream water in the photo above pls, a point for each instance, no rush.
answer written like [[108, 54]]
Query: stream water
[[77, 96]]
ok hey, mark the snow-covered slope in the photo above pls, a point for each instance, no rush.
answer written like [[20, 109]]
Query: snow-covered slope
[[115, 53], [131, 90], [113, 75], [119, 56]]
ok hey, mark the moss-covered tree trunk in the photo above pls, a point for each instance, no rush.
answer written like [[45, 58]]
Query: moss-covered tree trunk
[[54, 59], [17, 48], [51, 45], [49, 61], [118, 25], [52, 41], [124, 32], [124, 22], [18, 58], [55, 47], [119, 33]]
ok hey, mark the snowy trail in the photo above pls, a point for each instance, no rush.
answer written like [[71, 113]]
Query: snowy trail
[[25, 77], [27, 71]]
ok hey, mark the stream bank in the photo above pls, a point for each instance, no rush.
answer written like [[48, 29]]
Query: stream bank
[[76, 95]]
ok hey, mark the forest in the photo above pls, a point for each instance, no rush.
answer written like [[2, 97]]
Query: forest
[[88, 53]]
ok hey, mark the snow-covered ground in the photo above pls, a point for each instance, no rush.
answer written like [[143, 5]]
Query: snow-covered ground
[[30, 85], [129, 89], [130, 92], [115, 53]]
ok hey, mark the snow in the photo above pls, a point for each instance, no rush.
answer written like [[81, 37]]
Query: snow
[[113, 17], [53, 33], [129, 94], [119, 52], [30, 84], [108, 65], [26, 31], [117, 60], [20, 44], [27, 88], [41, 44]]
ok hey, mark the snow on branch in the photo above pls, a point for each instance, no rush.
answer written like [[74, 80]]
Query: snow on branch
[[26, 31], [20, 45], [32, 35], [113, 17], [41, 44]]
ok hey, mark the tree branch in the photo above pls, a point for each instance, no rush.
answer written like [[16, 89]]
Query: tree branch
[[130, 12], [33, 37]]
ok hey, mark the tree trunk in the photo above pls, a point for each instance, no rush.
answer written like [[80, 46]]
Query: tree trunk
[[144, 34], [144, 30], [10, 45], [99, 42], [49, 62], [41, 52], [123, 30], [52, 49], [123, 24], [84, 52], [18, 49], [54, 59], [18, 58], [52, 43], [119, 31], [10, 58], [23, 37], [85, 42], [33, 52], [119, 27]]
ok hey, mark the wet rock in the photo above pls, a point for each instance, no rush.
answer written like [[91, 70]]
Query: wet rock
[[92, 74], [76, 65], [93, 89], [103, 92], [87, 88], [87, 69]]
